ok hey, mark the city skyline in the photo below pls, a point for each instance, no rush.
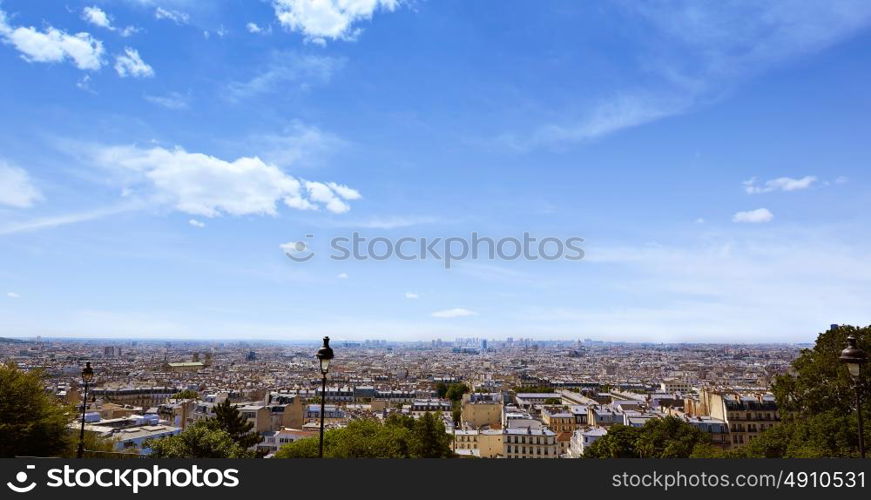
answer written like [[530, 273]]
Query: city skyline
[[157, 157]]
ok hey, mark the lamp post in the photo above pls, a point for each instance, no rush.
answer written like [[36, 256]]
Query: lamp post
[[87, 377], [854, 358], [324, 355]]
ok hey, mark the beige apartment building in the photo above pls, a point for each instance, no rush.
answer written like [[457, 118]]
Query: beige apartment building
[[745, 415], [482, 410], [559, 419], [485, 443], [529, 443]]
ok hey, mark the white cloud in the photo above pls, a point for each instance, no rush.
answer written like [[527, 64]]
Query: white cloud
[[173, 100], [175, 16], [253, 28], [16, 188], [130, 64], [13, 295], [753, 216], [53, 45], [411, 295], [342, 276], [319, 20], [196, 223], [97, 17], [344, 191], [331, 195], [779, 184], [200, 184], [457, 312]]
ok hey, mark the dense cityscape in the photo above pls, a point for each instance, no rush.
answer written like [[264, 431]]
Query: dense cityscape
[[520, 398]]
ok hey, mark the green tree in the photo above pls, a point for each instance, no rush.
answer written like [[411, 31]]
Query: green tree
[[199, 440], [360, 439], [819, 382], [441, 389], [430, 439], [817, 403], [97, 447], [618, 443], [668, 437], [31, 421], [455, 391], [228, 419], [301, 448], [824, 435], [399, 436], [186, 394], [457, 414]]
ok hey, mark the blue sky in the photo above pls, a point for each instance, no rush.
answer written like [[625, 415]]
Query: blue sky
[[155, 155]]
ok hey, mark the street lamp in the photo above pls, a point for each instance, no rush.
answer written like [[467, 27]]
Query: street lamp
[[324, 355], [87, 377], [854, 358]]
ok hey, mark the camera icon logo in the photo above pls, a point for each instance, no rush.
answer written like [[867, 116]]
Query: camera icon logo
[[298, 251], [21, 478]]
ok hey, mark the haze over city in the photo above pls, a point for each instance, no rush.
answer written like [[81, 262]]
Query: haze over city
[[158, 157]]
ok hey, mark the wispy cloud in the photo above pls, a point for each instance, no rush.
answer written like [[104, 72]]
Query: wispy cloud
[[297, 145], [625, 110], [176, 16], [457, 312], [16, 187], [172, 100], [751, 186], [40, 223], [702, 50], [728, 275], [287, 71], [392, 222]]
